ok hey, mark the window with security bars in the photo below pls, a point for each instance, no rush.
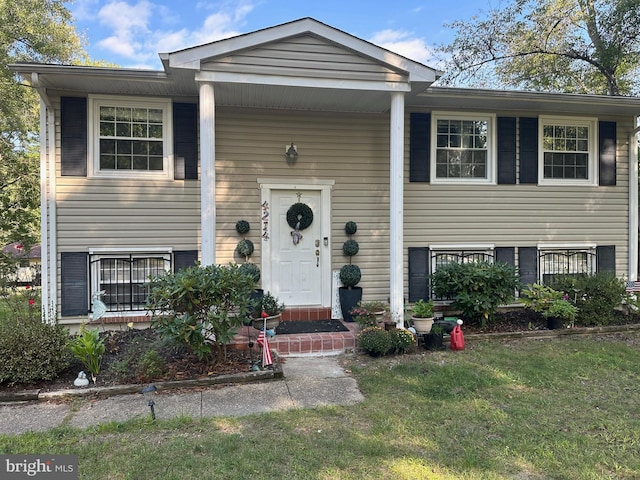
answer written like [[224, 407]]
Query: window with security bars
[[124, 279], [554, 263], [131, 138], [442, 258]]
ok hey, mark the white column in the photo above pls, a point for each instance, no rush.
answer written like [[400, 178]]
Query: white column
[[396, 207], [207, 174], [632, 274]]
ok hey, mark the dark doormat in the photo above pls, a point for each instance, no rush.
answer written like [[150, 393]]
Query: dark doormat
[[310, 326]]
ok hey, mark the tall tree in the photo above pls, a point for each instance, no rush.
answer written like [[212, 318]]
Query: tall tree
[[573, 46], [30, 31]]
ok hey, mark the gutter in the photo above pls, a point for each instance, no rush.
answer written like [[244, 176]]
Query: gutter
[[48, 251]]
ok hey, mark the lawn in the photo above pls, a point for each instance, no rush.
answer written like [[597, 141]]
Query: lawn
[[564, 408]]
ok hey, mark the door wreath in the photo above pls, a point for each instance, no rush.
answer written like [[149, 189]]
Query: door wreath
[[299, 217]]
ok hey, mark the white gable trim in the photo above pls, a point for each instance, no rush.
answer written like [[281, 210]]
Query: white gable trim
[[191, 58]]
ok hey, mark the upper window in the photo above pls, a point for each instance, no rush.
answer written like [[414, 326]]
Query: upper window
[[130, 138], [463, 150], [568, 150]]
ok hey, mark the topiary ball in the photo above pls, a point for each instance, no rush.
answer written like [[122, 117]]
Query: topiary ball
[[350, 227], [245, 247], [251, 269], [350, 248], [350, 275], [242, 227]]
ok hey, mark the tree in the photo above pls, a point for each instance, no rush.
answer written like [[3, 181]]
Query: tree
[[572, 46], [30, 31]]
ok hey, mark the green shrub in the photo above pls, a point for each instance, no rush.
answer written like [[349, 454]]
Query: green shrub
[[477, 289], [350, 275], [401, 339], [151, 365], [89, 348], [201, 306], [596, 296], [375, 341], [31, 351]]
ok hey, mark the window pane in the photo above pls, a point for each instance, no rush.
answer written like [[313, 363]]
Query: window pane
[[139, 162], [156, 163], [123, 162], [108, 113], [123, 129], [107, 162], [107, 129]]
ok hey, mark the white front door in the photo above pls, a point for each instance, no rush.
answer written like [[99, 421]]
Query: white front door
[[296, 269]]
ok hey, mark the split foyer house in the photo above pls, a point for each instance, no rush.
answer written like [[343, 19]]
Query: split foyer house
[[148, 171]]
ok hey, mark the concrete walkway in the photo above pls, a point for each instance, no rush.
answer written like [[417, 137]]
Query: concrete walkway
[[308, 382]]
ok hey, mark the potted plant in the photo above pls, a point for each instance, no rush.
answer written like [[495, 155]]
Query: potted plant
[[422, 316], [270, 310], [560, 313], [350, 275], [369, 314], [434, 339]]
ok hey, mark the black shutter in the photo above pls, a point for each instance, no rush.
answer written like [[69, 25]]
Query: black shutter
[[528, 150], [607, 153], [184, 258], [505, 255], [185, 141], [419, 145], [507, 150], [606, 258], [528, 265], [74, 286], [73, 141], [418, 273]]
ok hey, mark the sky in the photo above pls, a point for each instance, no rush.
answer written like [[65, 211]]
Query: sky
[[131, 33]]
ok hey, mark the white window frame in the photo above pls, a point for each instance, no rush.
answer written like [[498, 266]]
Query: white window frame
[[492, 156], [97, 254], [592, 164], [543, 248], [93, 136]]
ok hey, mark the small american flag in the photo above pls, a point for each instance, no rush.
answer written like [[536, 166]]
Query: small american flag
[[264, 343], [633, 286]]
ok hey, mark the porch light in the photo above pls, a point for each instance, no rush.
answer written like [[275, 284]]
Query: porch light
[[148, 393], [291, 153]]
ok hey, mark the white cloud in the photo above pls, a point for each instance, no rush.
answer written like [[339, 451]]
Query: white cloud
[[405, 44]]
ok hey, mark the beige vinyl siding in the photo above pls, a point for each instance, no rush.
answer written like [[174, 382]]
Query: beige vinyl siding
[[352, 149], [523, 215], [319, 59]]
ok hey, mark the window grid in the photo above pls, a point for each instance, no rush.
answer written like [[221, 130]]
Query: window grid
[[461, 148], [554, 263], [566, 152], [131, 138], [124, 279]]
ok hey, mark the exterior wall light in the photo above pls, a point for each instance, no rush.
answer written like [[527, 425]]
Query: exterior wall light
[[291, 153]]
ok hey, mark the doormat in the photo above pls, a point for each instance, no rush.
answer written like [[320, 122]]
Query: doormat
[[310, 326]]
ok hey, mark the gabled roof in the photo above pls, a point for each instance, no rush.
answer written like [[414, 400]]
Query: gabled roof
[[192, 58]]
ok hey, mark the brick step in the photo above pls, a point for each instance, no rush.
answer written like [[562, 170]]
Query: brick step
[[300, 344]]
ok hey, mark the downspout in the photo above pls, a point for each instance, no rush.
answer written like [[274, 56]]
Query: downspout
[[633, 203], [48, 245]]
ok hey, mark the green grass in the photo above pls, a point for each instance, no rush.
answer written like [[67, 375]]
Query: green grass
[[541, 409]]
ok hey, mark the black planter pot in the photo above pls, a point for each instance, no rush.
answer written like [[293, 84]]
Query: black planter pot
[[554, 323], [349, 298], [433, 341]]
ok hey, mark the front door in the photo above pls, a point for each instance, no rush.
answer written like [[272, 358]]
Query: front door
[[296, 267]]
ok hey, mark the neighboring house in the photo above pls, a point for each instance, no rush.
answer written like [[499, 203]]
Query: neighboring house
[[28, 263], [148, 171]]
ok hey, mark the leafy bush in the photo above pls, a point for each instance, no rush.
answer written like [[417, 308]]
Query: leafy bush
[[401, 340], [375, 341], [151, 365], [32, 350], [539, 297], [89, 348], [477, 289], [596, 296], [201, 306]]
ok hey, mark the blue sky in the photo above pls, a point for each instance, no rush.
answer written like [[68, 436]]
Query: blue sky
[[131, 33]]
